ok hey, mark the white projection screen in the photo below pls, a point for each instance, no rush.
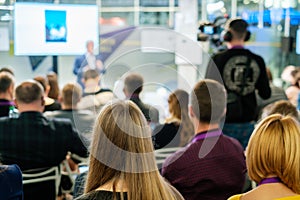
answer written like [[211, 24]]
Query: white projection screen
[[54, 29]]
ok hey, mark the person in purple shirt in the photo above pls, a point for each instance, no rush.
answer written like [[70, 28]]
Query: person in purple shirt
[[212, 166]]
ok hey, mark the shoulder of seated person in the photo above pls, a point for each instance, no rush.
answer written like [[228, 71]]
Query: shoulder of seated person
[[105, 93], [85, 112], [235, 197], [51, 113], [266, 192], [57, 120], [49, 101]]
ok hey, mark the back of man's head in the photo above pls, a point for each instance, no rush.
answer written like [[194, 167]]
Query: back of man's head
[[6, 81], [91, 74], [8, 70], [238, 28], [208, 101], [29, 91], [71, 94], [133, 83]]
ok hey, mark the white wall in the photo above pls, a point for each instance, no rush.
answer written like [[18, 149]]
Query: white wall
[[23, 70]]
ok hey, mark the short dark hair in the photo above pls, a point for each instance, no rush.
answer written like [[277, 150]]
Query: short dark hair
[[29, 91], [71, 93], [238, 28], [208, 101], [91, 74], [6, 80], [8, 70], [134, 83], [238, 25]]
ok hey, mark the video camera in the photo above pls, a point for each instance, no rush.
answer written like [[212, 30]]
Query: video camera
[[208, 29], [212, 31]]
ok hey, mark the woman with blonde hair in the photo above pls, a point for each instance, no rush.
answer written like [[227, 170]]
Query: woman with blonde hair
[[178, 128], [273, 159], [122, 163]]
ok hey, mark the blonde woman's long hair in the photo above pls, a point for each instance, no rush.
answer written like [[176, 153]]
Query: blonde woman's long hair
[[274, 149], [178, 108], [122, 149]]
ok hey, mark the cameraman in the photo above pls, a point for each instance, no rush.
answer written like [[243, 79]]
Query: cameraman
[[242, 72]]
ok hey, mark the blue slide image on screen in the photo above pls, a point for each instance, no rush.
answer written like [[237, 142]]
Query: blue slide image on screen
[[56, 26], [298, 41]]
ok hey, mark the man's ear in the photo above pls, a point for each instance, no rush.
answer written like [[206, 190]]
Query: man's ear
[[60, 99], [11, 90], [224, 113], [16, 103], [191, 112]]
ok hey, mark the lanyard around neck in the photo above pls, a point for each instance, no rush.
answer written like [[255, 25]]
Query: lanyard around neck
[[207, 134], [7, 103], [270, 180]]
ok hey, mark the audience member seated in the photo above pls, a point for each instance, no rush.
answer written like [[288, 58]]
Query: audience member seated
[[122, 163], [82, 120], [277, 94], [94, 97], [79, 184], [50, 104], [286, 76], [273, 159], [8, 70], [133, 86], [11, 187], [32, 141], [178, 128], [293, 90], [212, 166], [54, 88], [7, 83], [283, 107]]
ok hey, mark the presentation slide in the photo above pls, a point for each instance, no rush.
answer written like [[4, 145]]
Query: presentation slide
[[298, 41], [54, 29]]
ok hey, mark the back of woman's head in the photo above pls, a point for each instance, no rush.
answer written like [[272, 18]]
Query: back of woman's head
[[54, 87], [178, 103], [122, 149], [178, 107], [283, 107], [274, 150]]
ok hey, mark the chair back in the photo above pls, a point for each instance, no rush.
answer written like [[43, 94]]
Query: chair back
[[41, 175], [162, 154], [70, 175]]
